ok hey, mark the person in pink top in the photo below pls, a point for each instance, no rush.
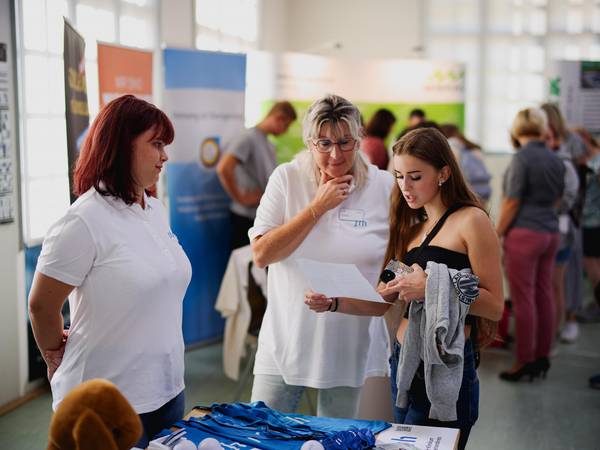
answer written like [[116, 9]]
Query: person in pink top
[[376, 131]]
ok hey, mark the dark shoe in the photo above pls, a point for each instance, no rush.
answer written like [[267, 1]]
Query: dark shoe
[[595, 381], [529, 371], [542, 365]]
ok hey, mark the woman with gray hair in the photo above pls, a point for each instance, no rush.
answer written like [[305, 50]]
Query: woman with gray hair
[[329, 205]]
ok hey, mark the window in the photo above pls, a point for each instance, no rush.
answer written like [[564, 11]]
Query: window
[[507, 46], [227, 25], [42, 101]]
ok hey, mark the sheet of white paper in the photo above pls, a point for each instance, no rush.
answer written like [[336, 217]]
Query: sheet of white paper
[[337, 280], [416, 437]]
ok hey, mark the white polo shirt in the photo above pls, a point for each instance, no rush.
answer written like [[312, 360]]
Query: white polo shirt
[[328, 349], [130, 275]]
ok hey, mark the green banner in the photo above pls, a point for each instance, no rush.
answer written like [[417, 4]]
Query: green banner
[[291, 142]]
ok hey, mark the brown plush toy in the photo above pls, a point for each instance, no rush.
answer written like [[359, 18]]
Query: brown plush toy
[[94, 416]]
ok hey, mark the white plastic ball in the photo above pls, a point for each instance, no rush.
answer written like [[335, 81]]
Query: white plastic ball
[[312, 445], [185, 444], [209, 444]]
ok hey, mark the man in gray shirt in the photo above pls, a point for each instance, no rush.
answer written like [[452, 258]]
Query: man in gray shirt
[[246, 166]]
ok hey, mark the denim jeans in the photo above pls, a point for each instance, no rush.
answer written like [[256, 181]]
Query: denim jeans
[[339, 402], [163, 417], [399, 413], [417, 410]]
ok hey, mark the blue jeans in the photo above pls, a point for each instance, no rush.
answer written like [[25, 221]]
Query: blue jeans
[[162, 418], [339, 402], [399, 413], [417, 410]]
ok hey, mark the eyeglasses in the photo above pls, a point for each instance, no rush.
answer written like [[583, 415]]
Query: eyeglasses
[[326, 145]]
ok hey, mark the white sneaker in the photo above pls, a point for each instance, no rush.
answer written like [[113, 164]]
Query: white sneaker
[[569, 333]]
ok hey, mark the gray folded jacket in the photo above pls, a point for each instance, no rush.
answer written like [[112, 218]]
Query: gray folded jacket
[[435, 335]]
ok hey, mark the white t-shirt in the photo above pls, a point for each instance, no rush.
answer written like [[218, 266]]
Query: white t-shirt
[[328, 349], [130, 275]]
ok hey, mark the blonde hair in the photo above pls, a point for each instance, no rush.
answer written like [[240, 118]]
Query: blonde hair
[[529, 122], [334, 110]]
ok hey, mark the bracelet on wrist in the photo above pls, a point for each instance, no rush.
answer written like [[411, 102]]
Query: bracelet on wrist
[[334, 303]]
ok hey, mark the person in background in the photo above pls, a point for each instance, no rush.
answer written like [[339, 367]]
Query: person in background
[[328, 205], [115, 257], [591, 215], [416, 117], [376, 132], [471, 161], [591, 224], [435, 217], [568, 229], [423, 124], [532, 187], [246, 166]]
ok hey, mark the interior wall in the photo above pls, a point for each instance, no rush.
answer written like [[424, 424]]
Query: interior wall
[[273, 25], [356, 28], [12, 325], [177, 23], [394, 29]]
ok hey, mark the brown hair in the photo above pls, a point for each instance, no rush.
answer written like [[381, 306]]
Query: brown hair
[[106, 152], [431, 146], [555, 120], [380, 124], [586, 136], [451, 130], [285, 109]]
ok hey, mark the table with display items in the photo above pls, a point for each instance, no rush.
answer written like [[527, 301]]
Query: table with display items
[[396, 437]]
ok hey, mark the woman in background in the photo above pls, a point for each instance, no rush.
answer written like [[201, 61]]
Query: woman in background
[[471, 161], [570, 239], [376, 132], [528, 222], [591, 224]]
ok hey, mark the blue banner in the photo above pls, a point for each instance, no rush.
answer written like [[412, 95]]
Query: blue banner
[[204, 97]]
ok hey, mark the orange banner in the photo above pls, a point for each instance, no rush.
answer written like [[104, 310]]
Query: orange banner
[[123, 70]]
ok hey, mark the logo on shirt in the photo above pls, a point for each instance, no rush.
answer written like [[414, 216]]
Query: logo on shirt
[[467, 287]]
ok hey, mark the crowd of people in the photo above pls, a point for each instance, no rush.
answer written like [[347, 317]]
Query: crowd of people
[[344, 199]]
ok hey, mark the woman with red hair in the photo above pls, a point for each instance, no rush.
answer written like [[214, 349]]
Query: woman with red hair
[[115, 257]]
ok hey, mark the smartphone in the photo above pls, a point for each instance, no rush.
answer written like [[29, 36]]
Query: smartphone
[[394, 269]]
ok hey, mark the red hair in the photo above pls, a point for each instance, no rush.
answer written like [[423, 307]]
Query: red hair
[[106, 153]]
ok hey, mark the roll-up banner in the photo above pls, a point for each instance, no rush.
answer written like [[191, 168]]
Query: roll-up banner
[[204, 97], [575, 85], [76, 104], [123, 70], [437, 87]]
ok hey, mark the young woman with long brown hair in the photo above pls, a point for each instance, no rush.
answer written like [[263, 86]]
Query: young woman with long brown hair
[[435, 217]]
